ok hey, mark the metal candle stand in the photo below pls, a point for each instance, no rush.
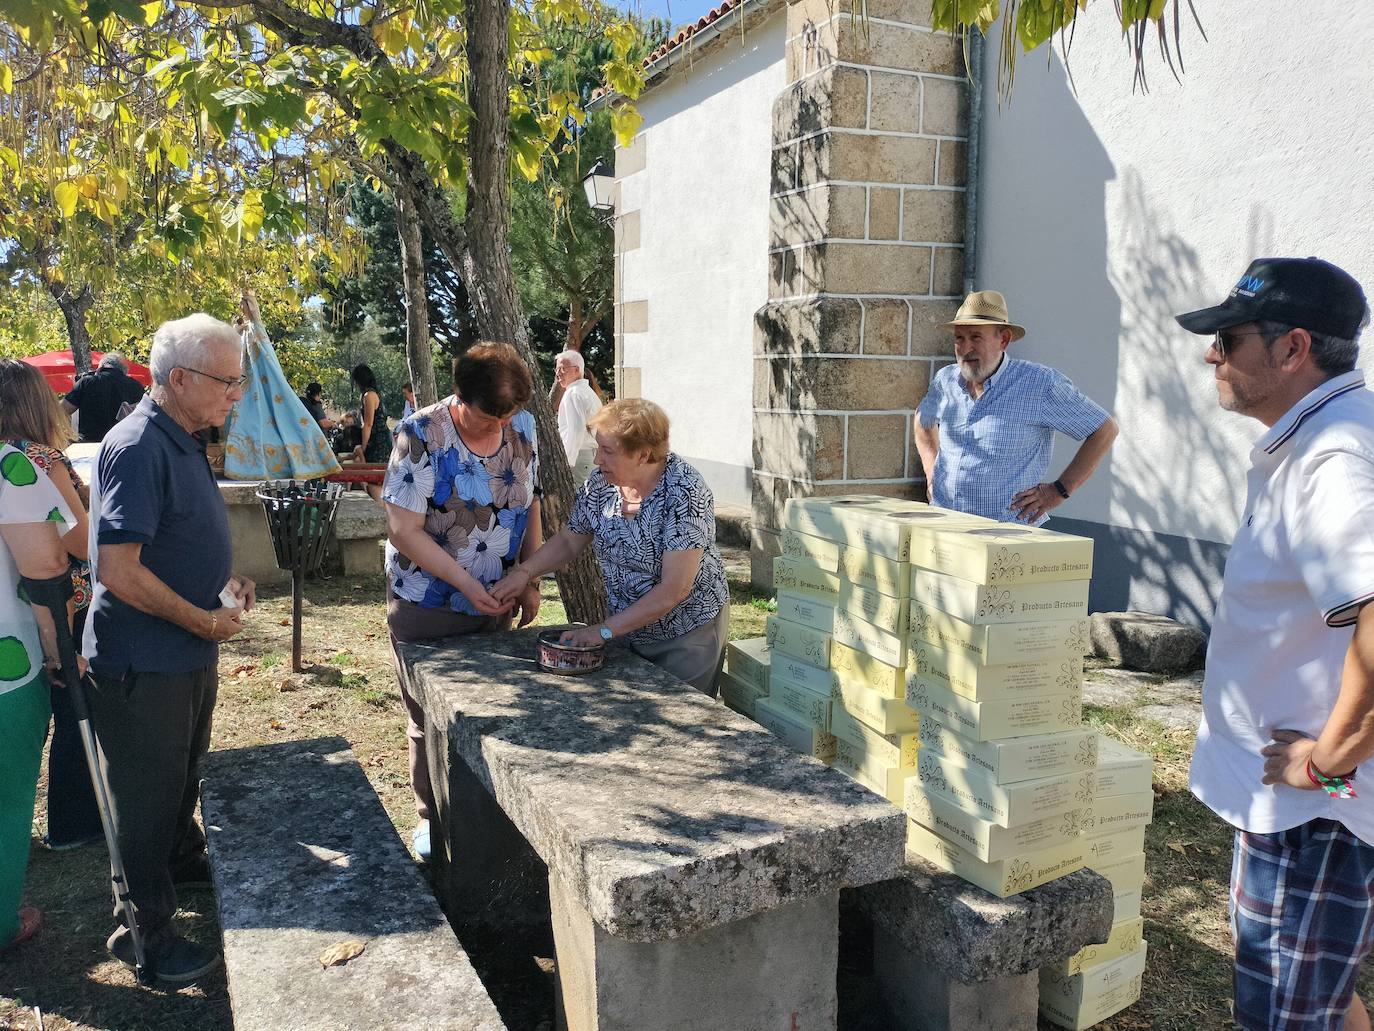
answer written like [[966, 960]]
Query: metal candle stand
[[300, 517]]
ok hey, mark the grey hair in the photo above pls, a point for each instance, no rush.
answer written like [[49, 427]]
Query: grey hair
[[1331, 354], [573, 357], [185, 344], [113, 360]]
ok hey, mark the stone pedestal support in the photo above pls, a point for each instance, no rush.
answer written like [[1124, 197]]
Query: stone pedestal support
[[922, 997], [773, 970], [865, 254]]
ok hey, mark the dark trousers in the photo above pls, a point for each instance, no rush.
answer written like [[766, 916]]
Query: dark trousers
[[154, 728], [72, 813], [407, 622]]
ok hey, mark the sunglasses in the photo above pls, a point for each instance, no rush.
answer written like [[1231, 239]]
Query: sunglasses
[[1226, 343]]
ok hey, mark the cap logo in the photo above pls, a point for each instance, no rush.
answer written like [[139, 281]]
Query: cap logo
[[1249, 285]]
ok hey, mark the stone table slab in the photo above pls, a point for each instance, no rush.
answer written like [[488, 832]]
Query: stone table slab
[[971, 935], [304, 856], [664, 812]]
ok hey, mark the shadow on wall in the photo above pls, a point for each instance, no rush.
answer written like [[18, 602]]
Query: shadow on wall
[[1158, 274]]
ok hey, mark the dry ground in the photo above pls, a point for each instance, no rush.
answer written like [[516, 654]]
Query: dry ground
[[66, 975]]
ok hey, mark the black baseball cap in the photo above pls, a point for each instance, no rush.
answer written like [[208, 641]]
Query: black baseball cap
[[1303, 292]]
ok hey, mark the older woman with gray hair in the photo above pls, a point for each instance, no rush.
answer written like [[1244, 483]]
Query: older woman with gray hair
[[650, 517]]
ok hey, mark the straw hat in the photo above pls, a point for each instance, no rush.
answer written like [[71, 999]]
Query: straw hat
[[986, 308]]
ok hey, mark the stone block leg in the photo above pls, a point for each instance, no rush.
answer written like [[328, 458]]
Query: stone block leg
[[923, 998], [486, 874], [771, 972]]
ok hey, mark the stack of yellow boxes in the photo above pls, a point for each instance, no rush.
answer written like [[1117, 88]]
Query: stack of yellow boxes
[[1005, 780], [745, 679], [862, 545], [1101, 980]]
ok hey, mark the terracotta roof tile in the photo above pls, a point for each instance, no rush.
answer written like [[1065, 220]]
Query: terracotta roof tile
[[680, 37]]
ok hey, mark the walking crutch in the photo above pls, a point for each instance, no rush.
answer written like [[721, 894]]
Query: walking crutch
[[53, 595]]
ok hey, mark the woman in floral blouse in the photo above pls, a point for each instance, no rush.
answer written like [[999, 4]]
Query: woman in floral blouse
[[462, 503], [651, 519]]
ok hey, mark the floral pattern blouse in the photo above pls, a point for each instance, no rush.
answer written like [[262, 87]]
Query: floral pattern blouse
[[476, 507], [678, 515]]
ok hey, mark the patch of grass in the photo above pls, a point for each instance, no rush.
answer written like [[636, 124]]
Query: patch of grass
[[271, 660]]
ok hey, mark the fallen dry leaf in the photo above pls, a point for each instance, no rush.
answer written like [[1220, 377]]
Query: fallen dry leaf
[[280, 622], [277, 725], [342, 952], [288, 684], [1180, 847]]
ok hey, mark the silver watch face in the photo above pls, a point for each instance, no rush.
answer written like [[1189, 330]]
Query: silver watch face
[[606, 634]]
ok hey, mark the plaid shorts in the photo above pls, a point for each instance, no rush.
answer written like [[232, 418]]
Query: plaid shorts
[[1302, 916]]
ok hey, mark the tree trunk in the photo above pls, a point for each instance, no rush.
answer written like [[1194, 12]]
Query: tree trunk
[[485, 264], [74, 308], [419, 354]]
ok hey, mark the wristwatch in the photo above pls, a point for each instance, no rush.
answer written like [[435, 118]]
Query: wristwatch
[[605, 632]]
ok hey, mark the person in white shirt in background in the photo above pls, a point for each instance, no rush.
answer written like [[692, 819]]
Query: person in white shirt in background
[[1288, 702], [575, 410]]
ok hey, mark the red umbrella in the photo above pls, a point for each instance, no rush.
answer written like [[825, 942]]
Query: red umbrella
[[59, 369]]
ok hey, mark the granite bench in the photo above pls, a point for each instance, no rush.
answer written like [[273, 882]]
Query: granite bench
[[304, 857], [949, 956], [693, 864]]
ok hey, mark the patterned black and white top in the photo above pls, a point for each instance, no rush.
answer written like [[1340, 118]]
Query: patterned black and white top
[[678, 515]]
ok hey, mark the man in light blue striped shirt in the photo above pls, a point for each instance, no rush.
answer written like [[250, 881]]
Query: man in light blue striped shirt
[[986, 426]]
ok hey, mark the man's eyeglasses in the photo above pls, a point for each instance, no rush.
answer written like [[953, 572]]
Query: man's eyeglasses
[[1226, 343], [229, 384]]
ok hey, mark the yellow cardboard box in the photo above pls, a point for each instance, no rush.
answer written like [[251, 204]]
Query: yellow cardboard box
[[808, 611], [857, 633], [1119, 813], [1003, 877], [816, 550], [792, 731], [999, 644], [861, 668], [984, 839], [882, 610], [1016, 758], [801, 642], [739, 695], [1075, 993], [801, 701], [959, 672], [885, 715], [875, 572], [1124, 938], [888, 781], [789, 669], [869, 522], [1082, 1009], [800, 577], [896, 750], [748, 660], [1004, 554], [987, 721], [1126, 905], [1126, 873], [1007, 805], [982, 605], [1108, 848], [1122, 770]]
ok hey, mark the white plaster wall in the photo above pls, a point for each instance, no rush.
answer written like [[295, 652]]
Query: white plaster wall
[[702, 263], [1105, 213]]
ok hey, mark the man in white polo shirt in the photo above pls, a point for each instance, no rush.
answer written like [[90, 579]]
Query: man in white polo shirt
[[1288, 702], [576, 408]]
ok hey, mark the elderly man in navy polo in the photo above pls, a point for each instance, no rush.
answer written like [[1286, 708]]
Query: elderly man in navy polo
[[161, 558], [986, 426], [1288, 701]]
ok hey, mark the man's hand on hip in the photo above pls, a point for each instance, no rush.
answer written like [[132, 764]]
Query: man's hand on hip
[[1034, 502], [1285, 761]]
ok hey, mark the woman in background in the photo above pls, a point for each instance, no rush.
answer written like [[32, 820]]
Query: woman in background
[[31, 419], [375, 447]]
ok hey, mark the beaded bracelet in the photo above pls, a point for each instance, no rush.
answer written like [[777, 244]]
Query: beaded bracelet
[[1336, 787]]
